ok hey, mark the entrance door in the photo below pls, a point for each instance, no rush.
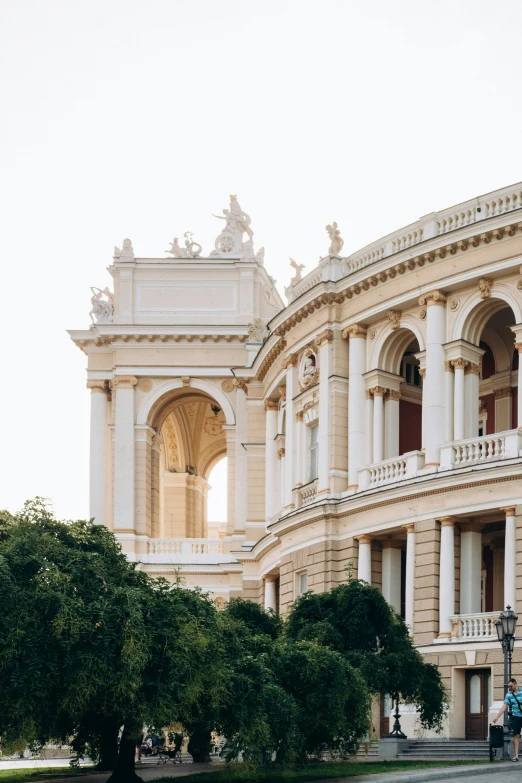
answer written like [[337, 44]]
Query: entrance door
[[477, 703]]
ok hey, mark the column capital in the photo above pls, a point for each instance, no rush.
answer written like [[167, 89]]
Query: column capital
[[509, 511], [448, 366], [97, 386], [124, 381], [355, 330], [282, 393], [270, 578], [459, 364], [324, 337], [271, 405], [447, 521], [378, 391], [518, 347], [364, 539], [240, 385], [433, 298], [392, 394], [472, 369], [299, 415], [410, 528], [501, 393], [290, 361]]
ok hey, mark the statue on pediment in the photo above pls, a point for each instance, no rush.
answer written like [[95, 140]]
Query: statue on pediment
[[298, 272], [336, 241], [237, 223], [102, 309], [191, 250]]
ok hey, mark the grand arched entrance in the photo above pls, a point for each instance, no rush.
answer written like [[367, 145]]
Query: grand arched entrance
[[191, 442]]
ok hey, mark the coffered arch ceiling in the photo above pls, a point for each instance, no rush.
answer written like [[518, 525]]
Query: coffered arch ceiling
[[192, 432]]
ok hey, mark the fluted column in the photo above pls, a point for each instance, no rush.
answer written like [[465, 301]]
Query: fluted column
[[433, 396], [271, 593], [291, 391], [378, 423], [391, 423], [124, 458], [459, 400], [517, 331], [324, 343], [271, 459], [391, 573], [369, 426], [410, 576], [241, 459], [357, 418], [447, 576], [510, 558], [449, 378], [98, 452], [364, 569], [470, 567], [471, 395]]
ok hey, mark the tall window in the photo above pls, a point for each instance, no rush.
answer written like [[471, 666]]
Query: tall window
[[313, 448], [302, 583]]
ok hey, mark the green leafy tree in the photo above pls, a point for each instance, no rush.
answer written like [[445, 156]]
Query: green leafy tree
[[355, 620], [88, 644]]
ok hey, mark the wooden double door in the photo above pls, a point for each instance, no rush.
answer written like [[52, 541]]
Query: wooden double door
[[477, 703]]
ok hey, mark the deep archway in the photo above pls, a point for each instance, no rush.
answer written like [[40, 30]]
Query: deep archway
[[191, 438]]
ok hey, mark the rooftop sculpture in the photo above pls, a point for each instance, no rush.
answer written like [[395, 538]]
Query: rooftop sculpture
[[102, 309], [230, 240], [336, 241], [185, 252]]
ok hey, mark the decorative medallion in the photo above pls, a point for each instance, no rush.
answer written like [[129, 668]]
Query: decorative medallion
[[227, 385], [308, 368], [422, 314], [454, 303], [372, 334], [145, 384]]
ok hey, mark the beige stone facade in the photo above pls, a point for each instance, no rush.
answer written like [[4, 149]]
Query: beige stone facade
[[372, 427]]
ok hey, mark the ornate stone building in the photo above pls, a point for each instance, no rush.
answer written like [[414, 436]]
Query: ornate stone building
[[373, 425]]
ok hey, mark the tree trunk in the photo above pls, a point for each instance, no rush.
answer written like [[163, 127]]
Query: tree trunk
[[199, 745], [108, 744], [124, 771]]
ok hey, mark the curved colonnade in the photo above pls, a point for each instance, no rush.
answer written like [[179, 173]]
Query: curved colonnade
[[376, 431]]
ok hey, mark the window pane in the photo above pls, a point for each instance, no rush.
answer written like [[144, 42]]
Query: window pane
[[474, 694], [303, 583]]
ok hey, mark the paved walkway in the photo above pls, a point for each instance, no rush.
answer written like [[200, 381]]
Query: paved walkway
[[496, 773]]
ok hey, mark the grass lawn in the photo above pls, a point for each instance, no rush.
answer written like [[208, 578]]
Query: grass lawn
[[343, 769], [47, 773]]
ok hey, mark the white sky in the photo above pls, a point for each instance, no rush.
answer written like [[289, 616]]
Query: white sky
[[125, 118]]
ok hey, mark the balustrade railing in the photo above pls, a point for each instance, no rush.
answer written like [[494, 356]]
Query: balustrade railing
[[474, 626], [436, 224], [477, 451], [391, 470], [185, 550], [307, 494]]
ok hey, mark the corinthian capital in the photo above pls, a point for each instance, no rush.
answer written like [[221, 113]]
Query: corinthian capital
[[432, 298]]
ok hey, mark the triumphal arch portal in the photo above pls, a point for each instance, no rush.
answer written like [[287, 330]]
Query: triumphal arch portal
[[372, 425]]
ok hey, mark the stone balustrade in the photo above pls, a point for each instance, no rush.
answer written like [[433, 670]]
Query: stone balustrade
[[477, 451], [436, 224], [467, 627], [307, 494], [186, 550], [391, 470]]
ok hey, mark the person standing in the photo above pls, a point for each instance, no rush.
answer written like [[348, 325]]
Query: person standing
[[513, 701]]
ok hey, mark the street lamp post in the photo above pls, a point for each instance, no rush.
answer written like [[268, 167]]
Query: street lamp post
[[506, 626], [397, 731]]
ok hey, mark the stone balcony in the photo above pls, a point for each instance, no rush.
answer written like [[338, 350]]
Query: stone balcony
[[474, 627], [187, 551], [481, 451], [391, 470]]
